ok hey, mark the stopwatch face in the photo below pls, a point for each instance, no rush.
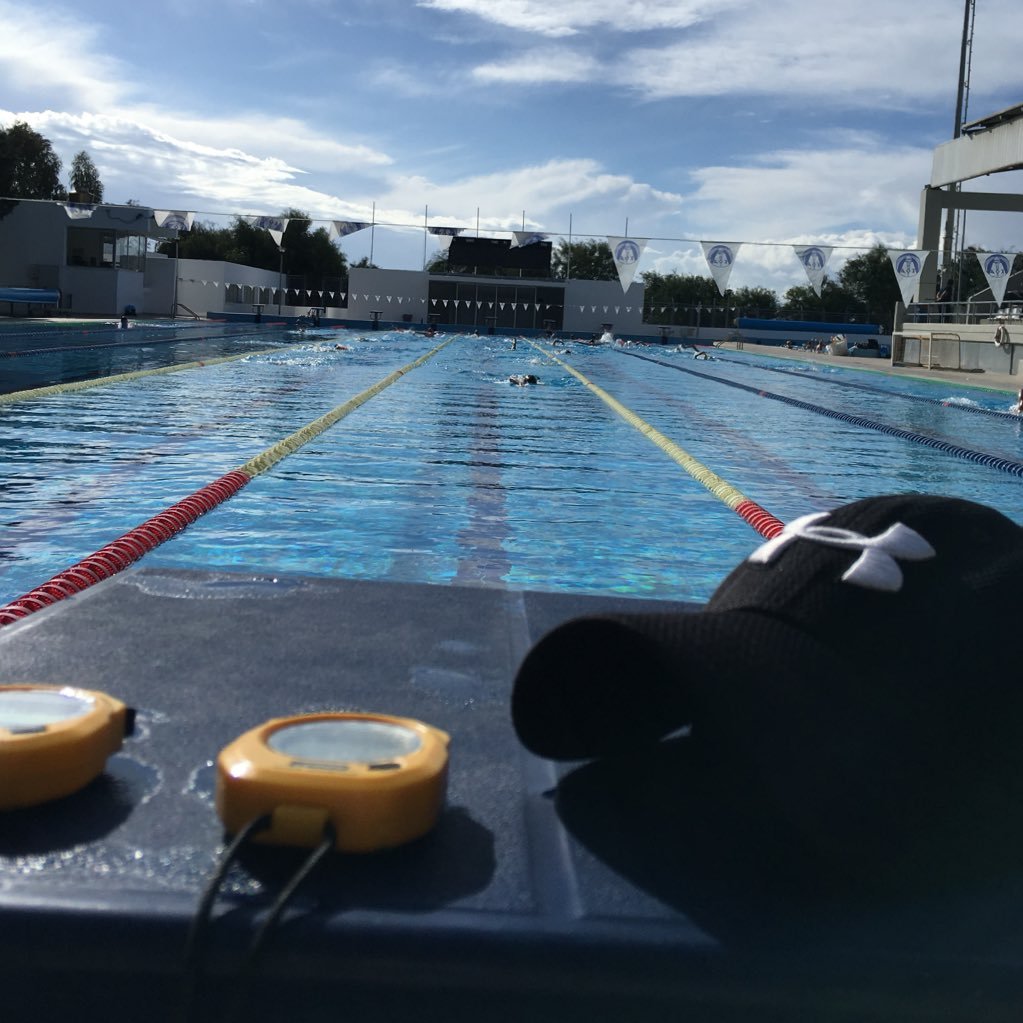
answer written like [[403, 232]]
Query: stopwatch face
[[345, 741], [33, 710]]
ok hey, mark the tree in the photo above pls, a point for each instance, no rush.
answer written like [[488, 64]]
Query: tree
[[85, 178], [672, 298], [835, 304], [870, 280], [583, 261], [29, 168], [310, 254]]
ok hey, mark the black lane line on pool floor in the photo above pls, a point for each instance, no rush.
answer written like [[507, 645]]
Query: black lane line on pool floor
[[1008, 465]]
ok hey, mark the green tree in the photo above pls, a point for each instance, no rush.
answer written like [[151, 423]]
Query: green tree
[[309, 254], [583, 261], [871, 281], [29, 168], [673, 297], [762, 302], [85, 178], [834, 304]]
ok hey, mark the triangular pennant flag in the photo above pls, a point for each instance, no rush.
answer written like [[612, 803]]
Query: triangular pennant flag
[[997, 267], [521, 238], [344, 295], [626, 253], [275, 225], [449, 231], [179, 220], [346, 227], [78, 210], [720, 258], [908, 265], [814, 259]]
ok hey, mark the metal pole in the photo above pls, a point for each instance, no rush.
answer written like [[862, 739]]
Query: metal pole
[[568, 262], [280, 281], [426, 230], [174, 304], [372, 232], [961, 100]]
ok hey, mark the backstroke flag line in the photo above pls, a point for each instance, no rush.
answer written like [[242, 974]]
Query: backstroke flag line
[[814, 259], [720, 258], [997, 266], [908, 264], [626, 253]]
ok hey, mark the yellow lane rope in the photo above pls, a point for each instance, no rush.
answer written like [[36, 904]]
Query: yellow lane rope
[[720, 488], [138, 374], [273, 454]]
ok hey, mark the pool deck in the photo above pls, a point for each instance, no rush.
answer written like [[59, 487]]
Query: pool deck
[[546, 892]]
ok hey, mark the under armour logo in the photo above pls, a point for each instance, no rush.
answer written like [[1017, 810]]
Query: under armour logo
[[875, 568]]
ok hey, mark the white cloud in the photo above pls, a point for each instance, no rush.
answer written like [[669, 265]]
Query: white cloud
[[538, 67], [570, 17], [51, 53]]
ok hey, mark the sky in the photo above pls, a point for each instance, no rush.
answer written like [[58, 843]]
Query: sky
[[676, 121]]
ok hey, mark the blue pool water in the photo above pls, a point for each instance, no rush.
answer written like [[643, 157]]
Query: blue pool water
[[452, 475]]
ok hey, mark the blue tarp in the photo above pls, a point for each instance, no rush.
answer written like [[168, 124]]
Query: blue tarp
[[750, 323], [40, 296]]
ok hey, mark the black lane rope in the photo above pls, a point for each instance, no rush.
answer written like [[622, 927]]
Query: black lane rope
[[941, 402], [1008, 465]]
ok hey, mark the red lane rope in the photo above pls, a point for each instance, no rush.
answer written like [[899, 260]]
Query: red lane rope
[[120, 553], [760, 519]]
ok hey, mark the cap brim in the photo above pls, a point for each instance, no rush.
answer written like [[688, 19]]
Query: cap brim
[[602, 685]]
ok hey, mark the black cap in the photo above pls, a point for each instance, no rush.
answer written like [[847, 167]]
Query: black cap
[[862, 663]]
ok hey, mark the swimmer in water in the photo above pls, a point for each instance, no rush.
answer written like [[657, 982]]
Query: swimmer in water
[[1018, 407], [522, 379]]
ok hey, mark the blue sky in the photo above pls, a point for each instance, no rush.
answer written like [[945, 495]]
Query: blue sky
[[766, 123]]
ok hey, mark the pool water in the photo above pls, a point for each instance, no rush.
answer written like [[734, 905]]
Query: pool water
[[454, 475]]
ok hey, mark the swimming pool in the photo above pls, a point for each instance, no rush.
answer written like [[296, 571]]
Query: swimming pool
[[452, 475]]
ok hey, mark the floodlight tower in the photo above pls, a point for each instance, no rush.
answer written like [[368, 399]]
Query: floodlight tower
[[962, 105]]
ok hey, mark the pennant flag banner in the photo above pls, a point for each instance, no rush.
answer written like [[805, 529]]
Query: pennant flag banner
[[275, 225], [78, 210], [179, 220], [626, 253], [522, 238], [720, 258], [346, 227], [997, 266], [908, 265], [814, 259], [445, 230]]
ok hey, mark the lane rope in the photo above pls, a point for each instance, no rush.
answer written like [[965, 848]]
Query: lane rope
[[120, 378], [1008, 465], [127, 549], [766, 524], [817, 378]]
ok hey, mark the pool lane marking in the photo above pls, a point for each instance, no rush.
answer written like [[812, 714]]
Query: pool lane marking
[[752, 513], [138, 374], [122, 552], [1008, 465]]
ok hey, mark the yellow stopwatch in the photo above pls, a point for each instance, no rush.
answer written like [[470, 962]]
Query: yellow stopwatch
[[380, 781], [55, 739]]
